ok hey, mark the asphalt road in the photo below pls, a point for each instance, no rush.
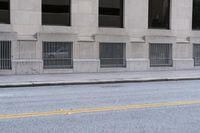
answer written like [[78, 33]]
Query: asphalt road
[[184, 118]]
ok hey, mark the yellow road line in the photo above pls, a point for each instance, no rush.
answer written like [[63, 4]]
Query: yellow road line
[[93, 110]]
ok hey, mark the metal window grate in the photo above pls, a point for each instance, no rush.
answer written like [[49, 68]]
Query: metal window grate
[[161, 55], [5, 55], [112, 55], [196, 54], [57, 55]]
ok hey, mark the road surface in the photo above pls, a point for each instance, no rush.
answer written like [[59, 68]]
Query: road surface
[[153, 107]]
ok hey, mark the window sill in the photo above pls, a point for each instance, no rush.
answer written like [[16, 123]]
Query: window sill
[[5, 27], [56, 29]]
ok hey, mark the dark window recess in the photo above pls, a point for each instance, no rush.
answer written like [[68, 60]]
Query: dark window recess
[[112, 55], [4, 12], [161, 55], [57, 55], [56, 12], [196, 15], [111, 13], [196, 54], [5, 55], [159, 14]]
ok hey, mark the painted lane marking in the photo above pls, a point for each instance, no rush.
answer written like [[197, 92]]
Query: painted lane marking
[[93, 110]]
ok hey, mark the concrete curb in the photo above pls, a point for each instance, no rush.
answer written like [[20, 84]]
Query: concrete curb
[[92, 81]]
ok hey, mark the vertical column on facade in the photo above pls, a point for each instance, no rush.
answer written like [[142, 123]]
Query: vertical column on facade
[[136, 23], [181, 26], [26, 20], [86, 24]]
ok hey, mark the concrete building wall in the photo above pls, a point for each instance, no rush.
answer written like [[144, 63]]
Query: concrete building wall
[[27, 35]]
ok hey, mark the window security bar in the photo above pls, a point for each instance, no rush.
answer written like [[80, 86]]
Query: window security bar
[[161, 55], [196, 54], [113, 62], [196, 61], [57, 55], [161, 62], [5, 55]]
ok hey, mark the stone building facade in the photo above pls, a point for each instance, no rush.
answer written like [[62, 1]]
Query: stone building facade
[[64, 36]]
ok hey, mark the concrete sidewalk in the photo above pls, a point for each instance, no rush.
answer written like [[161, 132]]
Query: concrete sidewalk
[[96, 78]]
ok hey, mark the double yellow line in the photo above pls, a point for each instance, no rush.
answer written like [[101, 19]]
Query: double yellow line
[[93, 110]]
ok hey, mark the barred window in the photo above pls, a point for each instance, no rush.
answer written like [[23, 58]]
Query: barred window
[[196, 15], [111, 13], [159, 14], [56, 12], [161, 55], [57, 55], [4, 11], [196, 54], [112, 55], [5, 55]]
